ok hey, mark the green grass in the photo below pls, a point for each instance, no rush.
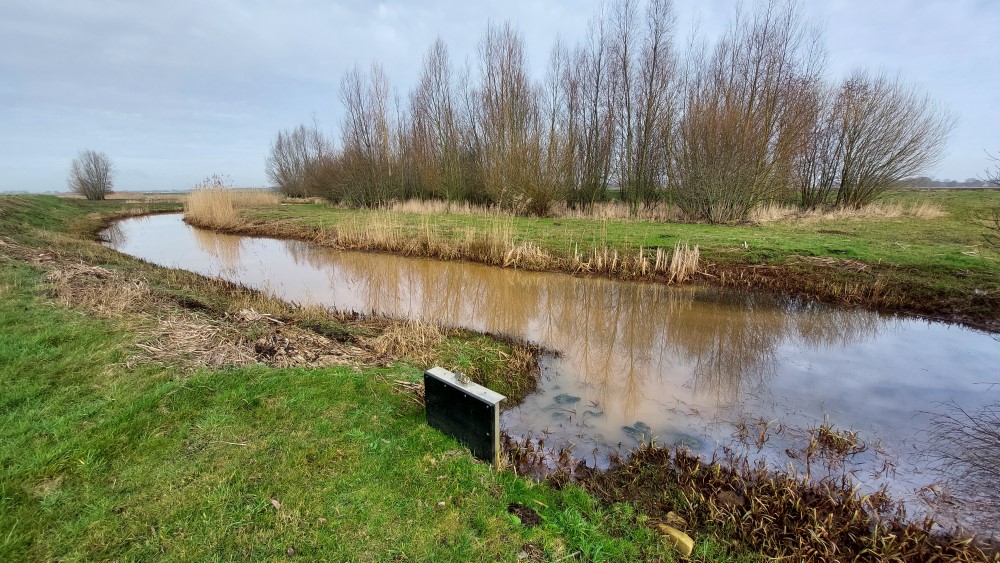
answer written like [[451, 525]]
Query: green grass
[[104, 460], [901, 241]]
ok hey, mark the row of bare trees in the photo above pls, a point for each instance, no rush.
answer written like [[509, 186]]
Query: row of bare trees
[[718, 131]]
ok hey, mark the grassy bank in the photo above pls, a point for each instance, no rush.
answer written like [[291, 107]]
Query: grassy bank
[[150, 413], [919, 252]]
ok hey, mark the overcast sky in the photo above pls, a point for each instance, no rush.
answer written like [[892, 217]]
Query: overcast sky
[[176, 91]]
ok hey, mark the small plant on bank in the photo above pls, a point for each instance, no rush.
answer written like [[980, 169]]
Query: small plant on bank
[[991, 217]]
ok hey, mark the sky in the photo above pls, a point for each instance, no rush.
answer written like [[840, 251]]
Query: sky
[[177, 91]]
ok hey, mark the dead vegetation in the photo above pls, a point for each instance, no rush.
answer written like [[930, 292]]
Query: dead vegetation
[[610, 210], [497, 244], [409, 339], [249, 327], [967, 443], [776, 212], [770, 212], [781, 514], [213, 203]]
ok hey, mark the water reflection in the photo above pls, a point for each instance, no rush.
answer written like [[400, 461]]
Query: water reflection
[[224, 248], [624, 341]]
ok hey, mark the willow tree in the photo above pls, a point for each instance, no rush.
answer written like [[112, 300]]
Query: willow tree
[[888, 131], [508, 124], [91, 174], [296, 160], [747, 115], [594, 78], [434, 136], [368, 160], [646, 67]]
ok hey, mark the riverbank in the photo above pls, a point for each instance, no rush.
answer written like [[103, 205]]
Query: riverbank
[[152, 413], [932, 265], [298, 439]]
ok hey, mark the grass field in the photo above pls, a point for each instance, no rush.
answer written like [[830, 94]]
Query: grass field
[[931, 262]]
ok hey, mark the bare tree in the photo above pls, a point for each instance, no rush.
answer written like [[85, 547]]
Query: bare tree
[[92, 175], [646, 67], [816, 168], [433, 145], [509, 124], [888, 131], [294, 162], [369, 135], [593, 122], [747, 114], [993, 176], [991, 217]]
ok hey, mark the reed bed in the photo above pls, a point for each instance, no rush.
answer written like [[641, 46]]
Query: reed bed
[[615, 210], [218, 207], [498, 244], [775, 212], [663, 213]]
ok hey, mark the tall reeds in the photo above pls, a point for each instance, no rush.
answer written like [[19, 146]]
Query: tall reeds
[[498, 244], [218, 207]]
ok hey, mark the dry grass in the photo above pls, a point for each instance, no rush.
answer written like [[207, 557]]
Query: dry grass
[[96, 289], [253, 327], [145, 197], [782, 515], [415, 340], [683, 263], [774, 212], [218, 207], [498, 244], [619, 211], [605, 210], [665, 213], [176, 331]]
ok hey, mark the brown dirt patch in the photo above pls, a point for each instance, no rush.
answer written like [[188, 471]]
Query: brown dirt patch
[[526, 514]]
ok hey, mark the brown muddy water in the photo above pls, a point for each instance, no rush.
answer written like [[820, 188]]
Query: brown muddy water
[[682, 365]]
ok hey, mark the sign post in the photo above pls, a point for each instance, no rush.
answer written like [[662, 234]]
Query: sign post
[[465, 410]]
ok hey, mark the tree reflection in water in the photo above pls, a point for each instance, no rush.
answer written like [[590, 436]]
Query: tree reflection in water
[[625, 341], [225, 248]]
